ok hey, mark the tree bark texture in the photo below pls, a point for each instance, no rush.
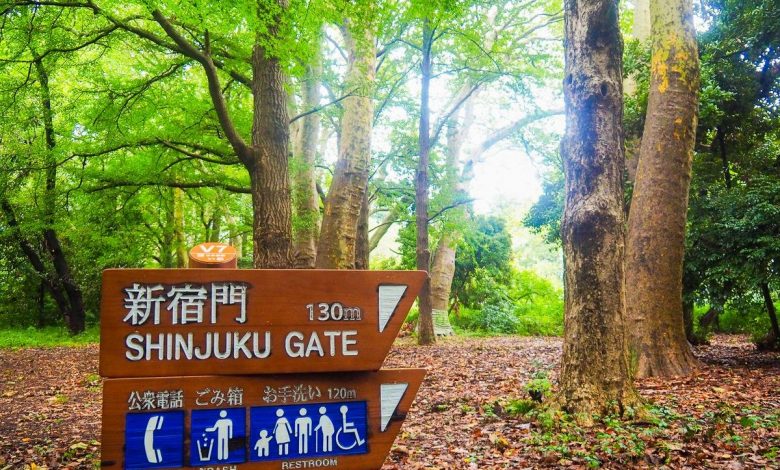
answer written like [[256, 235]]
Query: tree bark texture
[[48, 280], [75, 315], [178, 228], [266, 158], [425, 330], [269, 172], [338, 234], [774, 334], [594, 376], [166, 238], [362, 248], [443, 269], [305, 198], [381, 230], [656, 226]]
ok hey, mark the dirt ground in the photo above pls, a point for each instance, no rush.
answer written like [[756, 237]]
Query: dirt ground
[[724, 416]]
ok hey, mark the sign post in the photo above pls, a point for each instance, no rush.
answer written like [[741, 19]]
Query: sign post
[[266, 369]]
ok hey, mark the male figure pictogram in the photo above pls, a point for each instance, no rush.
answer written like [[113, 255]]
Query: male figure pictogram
[[224, 429], [303, 431]]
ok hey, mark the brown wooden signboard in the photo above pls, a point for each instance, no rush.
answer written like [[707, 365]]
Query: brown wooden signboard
[[158, 322], [213, 255], [289, 421]]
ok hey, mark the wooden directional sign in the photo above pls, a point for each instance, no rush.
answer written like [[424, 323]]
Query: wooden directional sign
[[213, 255], [345, 421], [167, 322]]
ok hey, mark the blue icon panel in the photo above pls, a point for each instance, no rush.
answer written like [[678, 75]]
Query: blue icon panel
[[310, 430], [154, 440], [218, 436]]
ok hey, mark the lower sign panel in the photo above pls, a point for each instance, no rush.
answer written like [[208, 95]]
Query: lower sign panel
[[346, 420]]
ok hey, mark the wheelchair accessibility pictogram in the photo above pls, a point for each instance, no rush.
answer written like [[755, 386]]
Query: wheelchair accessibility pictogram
[[347, 432]]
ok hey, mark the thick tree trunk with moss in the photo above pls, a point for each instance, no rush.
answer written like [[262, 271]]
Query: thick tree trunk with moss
[[305, 197], [594, 377], [269, 174], [338, 235], [656, 233], [266, 158], [362, 245]]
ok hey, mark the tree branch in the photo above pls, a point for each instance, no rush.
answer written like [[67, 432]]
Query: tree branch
[[317, 109], [217, 98], [508, 131], [464, 95], [450, 206], [171, 184]]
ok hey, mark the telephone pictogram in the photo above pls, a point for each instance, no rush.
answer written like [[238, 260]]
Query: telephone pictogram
[[153, 455]]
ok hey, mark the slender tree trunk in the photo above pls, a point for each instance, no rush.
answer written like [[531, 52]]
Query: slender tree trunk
[[168, 237], [41, 304], [77, 319], [216, 225], [178, 228], [724, 159], [425, 330], [306, 200], [656, 233], [75, 316], [594, 376], [338, 235], [269, 172], [384, 226], [54, 288], [774, 335], [688, 307], [443, 269]]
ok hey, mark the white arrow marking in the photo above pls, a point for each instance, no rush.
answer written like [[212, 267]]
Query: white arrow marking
[[389, 397], [389, 297]]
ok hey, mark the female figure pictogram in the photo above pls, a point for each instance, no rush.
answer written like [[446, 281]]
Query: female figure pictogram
[[282, 431]]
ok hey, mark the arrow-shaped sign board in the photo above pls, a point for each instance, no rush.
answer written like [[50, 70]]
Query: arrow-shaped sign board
[[174, 322], [345, 421]]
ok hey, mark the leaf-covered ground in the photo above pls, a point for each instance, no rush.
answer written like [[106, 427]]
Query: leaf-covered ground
[[471, 412]]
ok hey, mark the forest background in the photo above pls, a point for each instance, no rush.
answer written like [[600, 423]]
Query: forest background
[[353, 135]]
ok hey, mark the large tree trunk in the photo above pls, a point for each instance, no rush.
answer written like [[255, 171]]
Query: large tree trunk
[[656, 229], [269, 173], [338, 235], [306, 199], [266, 159], [594, 375], [425, 330], [362, 245]]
